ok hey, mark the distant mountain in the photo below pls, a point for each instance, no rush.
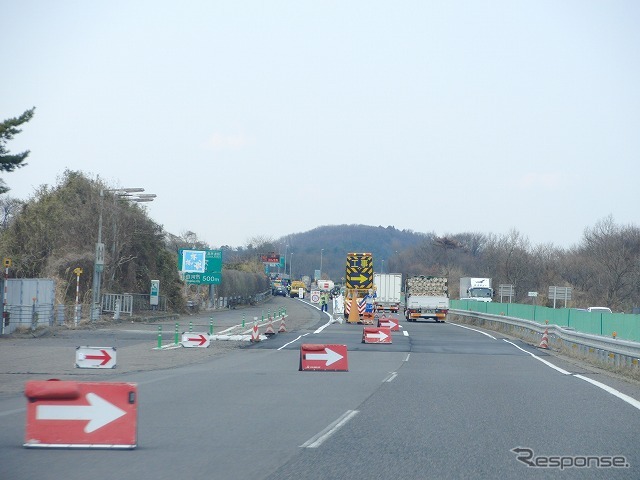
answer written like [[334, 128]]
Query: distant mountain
[[384, 243]]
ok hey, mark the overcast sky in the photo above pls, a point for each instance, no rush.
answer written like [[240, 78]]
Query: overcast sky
[[266, 118]]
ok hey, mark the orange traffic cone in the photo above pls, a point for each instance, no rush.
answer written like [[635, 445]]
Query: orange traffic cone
[[269, 331], [283, 327], [354, 315], [255, 334], [545, 339]]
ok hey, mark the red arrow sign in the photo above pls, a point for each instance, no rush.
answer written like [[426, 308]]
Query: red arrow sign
[[200, 339], [78, 414], [323, 357], [376, 335], [86, 357], [389, 323], [105, 357], [193, 339]]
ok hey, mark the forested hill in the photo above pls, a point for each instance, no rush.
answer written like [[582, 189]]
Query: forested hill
[[335, 241]]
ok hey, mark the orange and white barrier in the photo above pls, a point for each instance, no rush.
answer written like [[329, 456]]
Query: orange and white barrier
[[331, 358], [376, 335], [81, 414]]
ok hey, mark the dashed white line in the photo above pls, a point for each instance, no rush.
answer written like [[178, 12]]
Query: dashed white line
[[320, 438], [405, 333], [391, 377], [407, 359]]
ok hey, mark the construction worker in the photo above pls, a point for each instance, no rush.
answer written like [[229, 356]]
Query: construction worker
[[324, 301]]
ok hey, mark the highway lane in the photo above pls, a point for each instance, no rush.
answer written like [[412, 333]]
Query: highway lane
[[440, 402]]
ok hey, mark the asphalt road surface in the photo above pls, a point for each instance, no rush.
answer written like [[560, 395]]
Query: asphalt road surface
[[440, 401]]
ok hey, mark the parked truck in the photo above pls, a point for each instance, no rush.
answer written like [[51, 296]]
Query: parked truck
[[388, 288], [474, 288], [426, 297]]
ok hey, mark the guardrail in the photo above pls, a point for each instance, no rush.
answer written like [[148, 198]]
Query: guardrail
[[600, 350]]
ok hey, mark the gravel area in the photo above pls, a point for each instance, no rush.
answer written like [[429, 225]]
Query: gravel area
[[50, 352]]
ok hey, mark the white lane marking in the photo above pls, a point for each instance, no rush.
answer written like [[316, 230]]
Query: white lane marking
[[616, 393], [391, 377], [407, 359], [293, 341], [631, 401], [548, 364], [475, 330], [319, 439], [405, 333]]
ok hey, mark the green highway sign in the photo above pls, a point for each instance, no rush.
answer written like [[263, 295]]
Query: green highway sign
[[200, 261], [203, 278]]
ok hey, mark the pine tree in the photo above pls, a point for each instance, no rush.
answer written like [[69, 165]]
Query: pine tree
[[8, 129]]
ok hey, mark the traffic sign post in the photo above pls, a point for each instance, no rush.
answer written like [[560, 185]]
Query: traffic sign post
[[65, 414], [95, 357], [332, 358]]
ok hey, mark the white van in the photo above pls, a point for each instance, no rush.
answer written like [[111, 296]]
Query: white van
[[599, 309]]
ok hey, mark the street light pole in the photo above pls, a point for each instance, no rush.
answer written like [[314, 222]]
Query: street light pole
[[321, 250], [286, 248], [98, 265], [290, 267]]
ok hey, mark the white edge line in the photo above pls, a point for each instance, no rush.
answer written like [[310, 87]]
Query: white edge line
[[548, 364], [475, 330], [616, 393], [293, 341], [319, 439], [631, 401]]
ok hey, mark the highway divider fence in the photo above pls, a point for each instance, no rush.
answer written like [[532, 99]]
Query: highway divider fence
[[625, 326], [610, 352]]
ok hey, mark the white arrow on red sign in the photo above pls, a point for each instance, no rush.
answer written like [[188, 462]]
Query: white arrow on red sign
[[388, 323], [381, 336], [330, 356], [99, 412]]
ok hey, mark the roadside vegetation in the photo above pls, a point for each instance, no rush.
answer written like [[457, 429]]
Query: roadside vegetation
[[55, 231]]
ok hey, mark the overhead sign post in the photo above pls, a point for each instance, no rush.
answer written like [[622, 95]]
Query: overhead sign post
[[81, 415]]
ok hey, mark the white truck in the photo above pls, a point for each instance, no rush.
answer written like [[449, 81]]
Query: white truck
[[426, 297], [475, 288], [388, 290]]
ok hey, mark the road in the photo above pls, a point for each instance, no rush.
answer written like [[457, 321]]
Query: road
[[441, 401]]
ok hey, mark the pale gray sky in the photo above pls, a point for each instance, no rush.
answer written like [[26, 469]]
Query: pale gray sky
[[265, 118]]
